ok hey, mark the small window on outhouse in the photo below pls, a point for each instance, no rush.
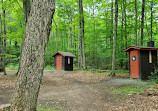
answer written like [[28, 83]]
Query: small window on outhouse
[[68, 60], [150, 57]]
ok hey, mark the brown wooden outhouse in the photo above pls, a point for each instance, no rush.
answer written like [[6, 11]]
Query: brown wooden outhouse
[[143, 60], [63, 60]]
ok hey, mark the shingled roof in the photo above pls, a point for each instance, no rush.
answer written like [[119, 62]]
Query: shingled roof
[[65, 54], [140, 48]]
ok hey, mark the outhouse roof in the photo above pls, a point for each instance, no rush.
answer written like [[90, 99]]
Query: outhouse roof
[[65, 54], [139, 48]]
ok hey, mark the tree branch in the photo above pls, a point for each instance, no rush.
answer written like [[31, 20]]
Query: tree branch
[[19, 4]]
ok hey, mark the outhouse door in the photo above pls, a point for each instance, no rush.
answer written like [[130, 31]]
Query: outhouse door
[[134, 64], [58, 62]]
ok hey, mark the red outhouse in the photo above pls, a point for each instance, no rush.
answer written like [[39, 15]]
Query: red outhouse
[[143, 61], [63, 60]]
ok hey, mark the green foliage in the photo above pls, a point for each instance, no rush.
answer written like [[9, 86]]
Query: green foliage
[[153, 78], [49, 67], [56, 108], [97, 28], [12, 66], [127, 90]]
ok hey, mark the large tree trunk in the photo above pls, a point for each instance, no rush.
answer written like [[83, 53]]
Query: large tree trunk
[[32, 60], [142, 21], [115, 40], [81, 37]]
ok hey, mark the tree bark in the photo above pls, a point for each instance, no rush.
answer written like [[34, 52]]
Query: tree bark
[[32, 61], [4, 38], [115, 40], [56, 34], [94, 39], [122, 32], [126, 64], [10, 51], [136, 22], [81, 37], [1, 47], [111, 39], [151, 19], [142, 21], [106, 16], [65, 34], [71, 35], [26, 9]]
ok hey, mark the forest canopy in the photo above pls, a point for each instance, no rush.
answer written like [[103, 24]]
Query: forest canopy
[[99, 23]]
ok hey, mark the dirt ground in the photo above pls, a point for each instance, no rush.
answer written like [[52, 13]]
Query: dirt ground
[[79, 91]]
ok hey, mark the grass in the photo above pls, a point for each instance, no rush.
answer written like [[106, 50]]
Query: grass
[[12, 67], [16, 66], [56, 108], [127, 90], [49, 67]]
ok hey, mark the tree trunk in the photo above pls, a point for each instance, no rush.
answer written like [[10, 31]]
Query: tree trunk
[[115, 40], [65, 34], [106, 16], [126, 64], [122, 33], [75, 43], [10, 51], [136, 22], [71, 30], [1, 47], [111, 39], [151, 19], [68, 43], [53, 40], [81, 37], [56, 34], [26, 8], [4, 39], [94, 40], [142, 21], [32, 60]]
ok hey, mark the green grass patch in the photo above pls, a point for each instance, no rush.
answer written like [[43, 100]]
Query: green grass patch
[[12, 66], [49, 67], [56, 108], [16, 67], [127, 90], [122, 71]]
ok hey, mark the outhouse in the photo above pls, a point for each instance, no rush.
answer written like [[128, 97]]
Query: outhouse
[[63, 60], [143, 60]]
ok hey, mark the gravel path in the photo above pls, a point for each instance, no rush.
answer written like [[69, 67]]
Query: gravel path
[[122, 81]]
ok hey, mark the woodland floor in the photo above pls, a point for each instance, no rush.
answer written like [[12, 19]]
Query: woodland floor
[[81, 91]]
